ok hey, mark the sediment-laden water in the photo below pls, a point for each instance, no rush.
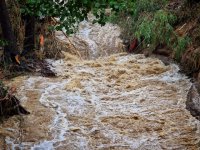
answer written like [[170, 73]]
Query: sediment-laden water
[[121, 102], [93, 40]]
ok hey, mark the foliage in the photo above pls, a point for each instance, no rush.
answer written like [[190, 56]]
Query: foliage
[[157, 30], [133, 14], [3, 42], [151, 23], [45, 8], [180, 47], [69, 12], [148, 20]]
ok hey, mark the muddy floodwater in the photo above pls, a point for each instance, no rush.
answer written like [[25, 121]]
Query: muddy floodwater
[[120, 102]]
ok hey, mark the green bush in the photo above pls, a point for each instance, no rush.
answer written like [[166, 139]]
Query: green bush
[[180, 47], [3, 42], [130, 14], [157, 29], [151, 24]]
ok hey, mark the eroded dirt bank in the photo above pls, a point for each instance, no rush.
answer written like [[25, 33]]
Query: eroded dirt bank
[[117, 102]]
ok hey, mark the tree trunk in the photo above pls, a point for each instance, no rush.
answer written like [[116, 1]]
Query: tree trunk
[[29, 43], [11, 49]]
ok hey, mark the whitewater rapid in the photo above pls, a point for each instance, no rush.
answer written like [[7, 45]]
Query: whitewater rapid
[[118, 102]]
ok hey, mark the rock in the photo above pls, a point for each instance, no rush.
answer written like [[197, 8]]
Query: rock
[[193, 101]]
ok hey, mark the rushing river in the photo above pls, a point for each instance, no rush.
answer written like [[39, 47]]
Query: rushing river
[[119, 102], [116, 102]]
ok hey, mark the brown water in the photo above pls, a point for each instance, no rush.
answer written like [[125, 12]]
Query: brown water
[[122, 102], [93, 40]]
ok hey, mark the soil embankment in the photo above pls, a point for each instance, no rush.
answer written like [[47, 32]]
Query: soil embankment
[[189, 25]]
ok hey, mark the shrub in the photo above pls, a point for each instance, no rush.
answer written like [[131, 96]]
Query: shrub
[[180, 47], [3, 42], [157, 29], [151, 24]]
